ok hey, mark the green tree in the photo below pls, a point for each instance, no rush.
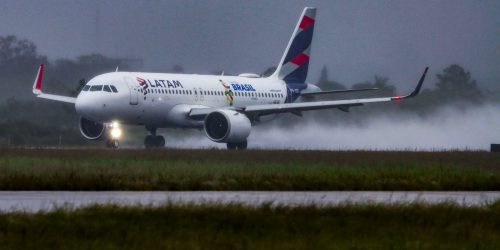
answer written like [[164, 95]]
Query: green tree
[[18, 55], [379, 82], [456, 84], [177, 69], [324, 83]]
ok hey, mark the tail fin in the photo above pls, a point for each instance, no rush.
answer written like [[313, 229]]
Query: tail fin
[[295, 61]]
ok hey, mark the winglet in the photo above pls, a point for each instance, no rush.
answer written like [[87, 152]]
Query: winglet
[[416, 91], [37, 85]]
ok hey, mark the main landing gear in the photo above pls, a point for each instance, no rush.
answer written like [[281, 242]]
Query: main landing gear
[[153, 140], [111, 143], [238, 146]]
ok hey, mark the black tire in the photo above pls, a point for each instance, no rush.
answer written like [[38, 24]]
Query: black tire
[[160, 141], [112, 143], [242, 145], [149, 141], [231, 146]]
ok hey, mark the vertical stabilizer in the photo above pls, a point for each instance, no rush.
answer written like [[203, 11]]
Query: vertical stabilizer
[[294, 64]]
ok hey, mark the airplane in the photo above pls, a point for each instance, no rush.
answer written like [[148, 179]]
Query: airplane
[[225, 107]]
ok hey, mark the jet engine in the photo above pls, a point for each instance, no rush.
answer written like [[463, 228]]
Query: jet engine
[[91, 130], [227, 126]]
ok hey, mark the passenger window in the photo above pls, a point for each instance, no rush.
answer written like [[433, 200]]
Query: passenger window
[[86, 87], [106, 88], [114, 89], [96, 88]]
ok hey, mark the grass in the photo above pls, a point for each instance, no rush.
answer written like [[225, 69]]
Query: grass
[[415, 226], [169, 169]]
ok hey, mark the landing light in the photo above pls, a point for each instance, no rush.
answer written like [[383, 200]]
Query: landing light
[[115, 130], [116, 133]]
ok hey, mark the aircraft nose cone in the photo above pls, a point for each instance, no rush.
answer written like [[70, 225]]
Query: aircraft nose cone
[[85, 107]]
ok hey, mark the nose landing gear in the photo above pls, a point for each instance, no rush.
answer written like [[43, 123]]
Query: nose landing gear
[[112, 143], [114, 135]]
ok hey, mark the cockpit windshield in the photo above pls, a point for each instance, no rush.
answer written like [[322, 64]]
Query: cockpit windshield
[[106, 88], [96, 88]]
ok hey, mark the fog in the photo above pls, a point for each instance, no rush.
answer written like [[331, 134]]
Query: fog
[[447, 129], [354, 39]]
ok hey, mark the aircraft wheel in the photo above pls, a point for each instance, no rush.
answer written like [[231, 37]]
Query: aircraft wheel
[[149, 141], [112, 143], [242, 145], [231, 146], [160, 141]]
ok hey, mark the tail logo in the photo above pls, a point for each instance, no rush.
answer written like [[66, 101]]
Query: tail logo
[[143, 84], [296, 61]]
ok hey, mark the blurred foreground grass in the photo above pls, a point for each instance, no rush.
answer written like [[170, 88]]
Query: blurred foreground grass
[[173, 169], [415, 226]]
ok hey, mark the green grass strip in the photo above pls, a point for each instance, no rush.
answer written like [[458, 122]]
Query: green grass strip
[[22, 169], [416, 226]]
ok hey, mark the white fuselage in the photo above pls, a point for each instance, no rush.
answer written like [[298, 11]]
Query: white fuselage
[[164, 100]]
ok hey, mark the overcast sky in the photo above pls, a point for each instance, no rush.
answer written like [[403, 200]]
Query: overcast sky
[[354, 39]]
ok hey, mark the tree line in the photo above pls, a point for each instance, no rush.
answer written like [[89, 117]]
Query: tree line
[[23, 120]]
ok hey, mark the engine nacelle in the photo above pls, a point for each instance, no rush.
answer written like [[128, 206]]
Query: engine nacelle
[[91, 130], [227, 126]]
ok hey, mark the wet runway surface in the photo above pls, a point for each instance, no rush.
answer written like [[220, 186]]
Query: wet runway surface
[[33, 201]]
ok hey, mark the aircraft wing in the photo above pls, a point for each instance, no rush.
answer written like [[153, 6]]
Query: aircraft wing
[[257, 110], [335, 91], [58, 98], [37, 90]]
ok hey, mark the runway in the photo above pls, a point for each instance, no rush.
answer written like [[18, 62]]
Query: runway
[[34, 201]]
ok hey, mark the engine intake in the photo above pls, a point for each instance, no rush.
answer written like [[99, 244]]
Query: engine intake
[[227, 126], [91, 130]]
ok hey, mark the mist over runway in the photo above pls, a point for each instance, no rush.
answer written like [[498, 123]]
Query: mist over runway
[[35, 201], [449, 128]]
